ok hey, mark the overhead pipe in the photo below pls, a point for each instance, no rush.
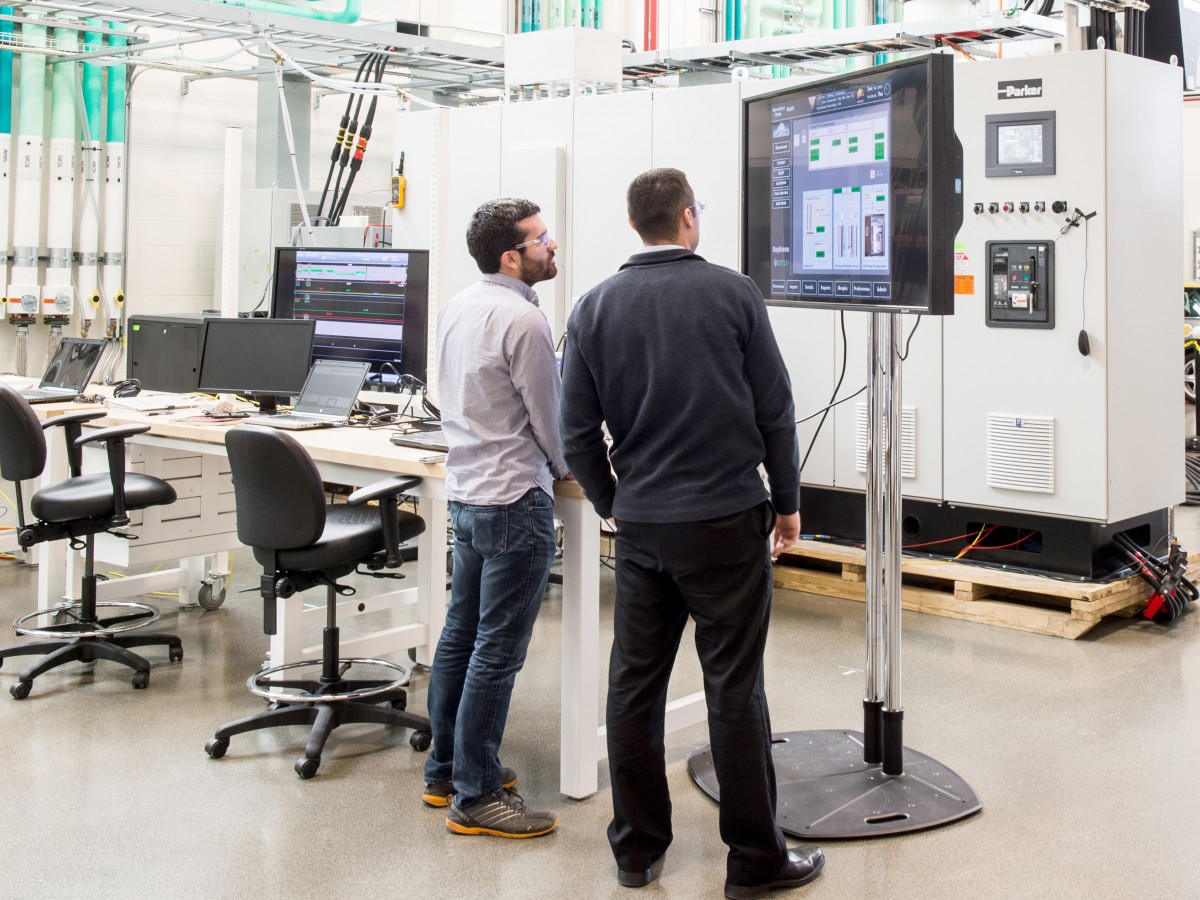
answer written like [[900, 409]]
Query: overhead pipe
[[350, 13], [58, 293], [113, 239], [24, 291], [91, 153]]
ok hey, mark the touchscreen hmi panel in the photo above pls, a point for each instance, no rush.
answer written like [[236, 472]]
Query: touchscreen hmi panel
[[854, 190]]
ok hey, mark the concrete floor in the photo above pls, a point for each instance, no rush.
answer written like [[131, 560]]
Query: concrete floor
[[1081, 752]]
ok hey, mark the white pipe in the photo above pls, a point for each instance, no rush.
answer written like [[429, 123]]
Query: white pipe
[[231, 200], [92, 153], [112, 240], [58, 293], [24, 291]]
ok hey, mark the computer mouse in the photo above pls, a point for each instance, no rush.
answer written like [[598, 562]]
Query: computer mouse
[[1085, 346]]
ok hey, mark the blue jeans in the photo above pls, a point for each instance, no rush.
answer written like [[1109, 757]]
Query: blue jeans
[[502, 557]]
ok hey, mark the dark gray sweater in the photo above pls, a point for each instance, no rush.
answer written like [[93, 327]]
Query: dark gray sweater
[[676, 355]]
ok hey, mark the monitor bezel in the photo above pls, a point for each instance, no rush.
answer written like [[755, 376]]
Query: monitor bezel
[[943, 212], [416, 358]]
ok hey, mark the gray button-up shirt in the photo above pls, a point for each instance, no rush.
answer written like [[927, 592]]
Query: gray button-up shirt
[[498, 387]]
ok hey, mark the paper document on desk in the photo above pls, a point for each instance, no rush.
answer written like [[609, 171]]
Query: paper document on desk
[[153, 402]]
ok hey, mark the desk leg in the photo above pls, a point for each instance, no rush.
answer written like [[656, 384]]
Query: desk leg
[[579, 738], [431, 575]]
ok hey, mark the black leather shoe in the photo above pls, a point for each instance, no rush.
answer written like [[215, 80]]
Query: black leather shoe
[[802, 866], [636, 878]]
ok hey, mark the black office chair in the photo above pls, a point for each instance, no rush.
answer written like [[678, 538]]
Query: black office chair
[[301, 543], [76, 510]]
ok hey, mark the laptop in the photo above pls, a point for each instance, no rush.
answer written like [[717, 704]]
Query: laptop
[[327, 398], [69, 371], [422, 440]]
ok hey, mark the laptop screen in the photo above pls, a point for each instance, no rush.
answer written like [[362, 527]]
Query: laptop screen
[[332, 388], [73, 364]]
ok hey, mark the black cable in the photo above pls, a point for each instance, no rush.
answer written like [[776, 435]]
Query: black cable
[[341, 136], [904, 355], [361, 139], [837, 387], [348, 138]]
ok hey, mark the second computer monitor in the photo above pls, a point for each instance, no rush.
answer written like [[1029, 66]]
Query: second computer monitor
[[260, 358], [370, 305]]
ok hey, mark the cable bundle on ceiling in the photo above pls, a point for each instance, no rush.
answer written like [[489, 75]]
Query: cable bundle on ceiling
[[351, 143]]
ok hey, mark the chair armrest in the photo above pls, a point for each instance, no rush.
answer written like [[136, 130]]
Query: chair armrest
[[72, 423], [83, 415], [116, 433], [386, 492], [395, 485], [114, 439]]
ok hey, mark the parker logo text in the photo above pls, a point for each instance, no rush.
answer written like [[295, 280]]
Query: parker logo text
[[1015, 90]]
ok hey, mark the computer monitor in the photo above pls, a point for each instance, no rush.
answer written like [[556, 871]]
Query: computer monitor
[[853, 190], [370, 305], [258, 358]]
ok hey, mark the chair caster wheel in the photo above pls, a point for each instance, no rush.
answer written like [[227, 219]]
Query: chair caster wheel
[[175, 654], [306, 767], [420, 740], [216, 747], [20, 690], [399, 704], [140, 680]]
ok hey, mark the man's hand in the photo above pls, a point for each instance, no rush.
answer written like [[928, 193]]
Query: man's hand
[[787, 533]]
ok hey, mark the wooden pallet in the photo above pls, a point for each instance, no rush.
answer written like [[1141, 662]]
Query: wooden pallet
[[977, 593]]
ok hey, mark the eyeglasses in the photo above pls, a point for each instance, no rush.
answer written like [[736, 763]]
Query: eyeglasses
[[698, 207], [544, 240]]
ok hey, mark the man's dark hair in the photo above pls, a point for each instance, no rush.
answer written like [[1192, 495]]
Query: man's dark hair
[[655, 199], [493, 230]]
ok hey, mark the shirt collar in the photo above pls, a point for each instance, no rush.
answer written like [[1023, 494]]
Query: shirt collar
[[513, 284], [656, 248]]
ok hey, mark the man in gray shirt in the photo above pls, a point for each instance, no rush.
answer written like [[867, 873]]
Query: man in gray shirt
[[498, 386]]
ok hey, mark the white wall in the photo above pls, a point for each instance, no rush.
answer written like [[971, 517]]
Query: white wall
[[1191, 182]]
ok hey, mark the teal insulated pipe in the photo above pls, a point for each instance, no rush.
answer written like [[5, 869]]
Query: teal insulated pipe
[[350, 13], [114, 133], [31, 105], [62, 87], [92, 84], [587, 13], [6, 69]]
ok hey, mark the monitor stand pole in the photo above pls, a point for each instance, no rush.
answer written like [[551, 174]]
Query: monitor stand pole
[[849, 784]]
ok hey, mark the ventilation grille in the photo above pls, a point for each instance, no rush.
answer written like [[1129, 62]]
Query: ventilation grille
[[1020, 453], [908, 440]]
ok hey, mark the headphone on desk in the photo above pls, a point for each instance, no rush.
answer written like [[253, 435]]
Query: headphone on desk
[[130, 387]]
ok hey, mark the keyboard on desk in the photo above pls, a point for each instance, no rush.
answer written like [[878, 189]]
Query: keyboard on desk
[[422, 440]]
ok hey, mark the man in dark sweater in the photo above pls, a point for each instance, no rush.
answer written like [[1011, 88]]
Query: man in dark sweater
[[677, 358]]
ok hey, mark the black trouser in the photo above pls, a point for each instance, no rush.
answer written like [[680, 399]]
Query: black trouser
[[719, 573]]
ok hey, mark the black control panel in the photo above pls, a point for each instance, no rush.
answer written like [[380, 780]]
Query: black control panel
[[1020, 291]]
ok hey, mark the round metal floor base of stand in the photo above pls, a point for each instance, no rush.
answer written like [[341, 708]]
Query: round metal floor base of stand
[[826, 791]]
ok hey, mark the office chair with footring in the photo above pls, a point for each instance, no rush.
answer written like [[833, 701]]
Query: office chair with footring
[[301, 543], [76, 510]]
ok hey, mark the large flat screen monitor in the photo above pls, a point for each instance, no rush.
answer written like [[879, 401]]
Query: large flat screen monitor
[[258, 358], [370, 305], [853, 190]]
